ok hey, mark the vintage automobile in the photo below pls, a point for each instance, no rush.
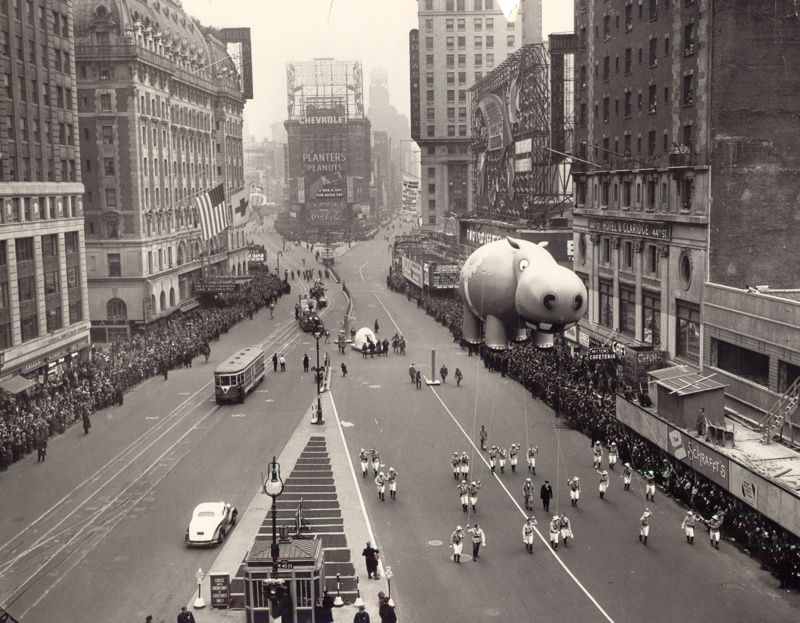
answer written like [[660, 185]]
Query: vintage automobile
[[310, 322], [211, 521]]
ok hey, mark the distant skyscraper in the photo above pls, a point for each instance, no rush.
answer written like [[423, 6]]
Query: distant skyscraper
[[457, 42]]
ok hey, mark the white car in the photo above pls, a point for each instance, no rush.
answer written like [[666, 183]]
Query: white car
[[211, 521]]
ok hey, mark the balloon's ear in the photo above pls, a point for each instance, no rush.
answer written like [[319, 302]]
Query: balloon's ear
[[544, 244], [512, 242]]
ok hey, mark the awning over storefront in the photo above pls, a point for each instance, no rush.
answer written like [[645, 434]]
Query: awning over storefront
[[16, 384]]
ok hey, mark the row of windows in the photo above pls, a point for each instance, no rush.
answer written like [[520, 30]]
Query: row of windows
[[460, 24], [751, 365], [652, 15], [25, 169], [478, 41], [21, 92], [58, 21], [62, 62], [619, 193], [459, 5], [24, 247]]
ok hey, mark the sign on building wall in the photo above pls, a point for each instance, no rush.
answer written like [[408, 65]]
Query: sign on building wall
[[655, 230], [413, 54], [412, 271], [699, 456]]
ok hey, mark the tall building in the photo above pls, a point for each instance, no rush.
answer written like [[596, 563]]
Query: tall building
[[44, 309], [686, 196], [457, 42], [264, 166], [160, 102]]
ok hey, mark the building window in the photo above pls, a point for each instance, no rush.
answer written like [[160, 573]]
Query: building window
[[24, 248], [743, 362], [108, 166], [688, 90], [510, 41], [75, 310], [50, 246], [788, 373], [428, 43], [627, 310], [606, 303], [53, 316], [627, 254], [605, 251], [651, 318], [111, 198], [108, 134], [652, 259], [688, 330], [71, 242], [114, 265]]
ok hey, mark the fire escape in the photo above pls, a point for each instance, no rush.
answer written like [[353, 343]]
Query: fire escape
[[781, 411]]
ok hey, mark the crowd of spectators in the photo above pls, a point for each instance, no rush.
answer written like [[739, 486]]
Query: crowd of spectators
[[48, 408], [583, 393]]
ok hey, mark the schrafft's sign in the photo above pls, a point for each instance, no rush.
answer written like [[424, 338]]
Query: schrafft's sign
[[700, 457]]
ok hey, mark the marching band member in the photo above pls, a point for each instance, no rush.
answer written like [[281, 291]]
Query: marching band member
[[603, 485], [457, 542], [687, 525], [463, 492], [380, 481], [391, 478], [527, 533], [512, 455], [644, 521], [532, 452], [493, 457], [627, 473], [714, 525], [612, 454], [650, 490], [597, 455], [574, 490], [502, 452], [364, 463], [456, 463], [473, 494], [527, 493], [566, 529], [464, 466], [555, 529], [376, 461]]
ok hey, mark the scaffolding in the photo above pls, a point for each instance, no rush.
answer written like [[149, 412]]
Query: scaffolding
[[324, 87]]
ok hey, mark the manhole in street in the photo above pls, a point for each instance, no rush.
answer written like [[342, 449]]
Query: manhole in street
[[435, 542], [374, 386], [731, 586], [269, 400], [492, 612], [347, 424]]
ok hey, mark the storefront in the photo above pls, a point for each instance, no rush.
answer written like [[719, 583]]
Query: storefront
[[20, 378]]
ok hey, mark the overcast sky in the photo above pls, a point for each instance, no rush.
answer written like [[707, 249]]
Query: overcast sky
[[373, 31]]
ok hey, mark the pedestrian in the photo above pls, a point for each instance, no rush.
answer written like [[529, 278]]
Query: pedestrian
[[326, 608], [377, 327], [484, 437], [644, 525], [457, 543], [41, 447], [364, 463], [546, 494], [185, 616], [566, 529], [574, 491], [532, 452], [687, 525], [148, 618], [282, 361], [361, 615], [386, 609], [512, 455], [478, 539], [555, 531], [528, 531], [463, 492], [412, 372], [380, 482], [370, 555], [344, 369], [650, 489], [391, 478], [627, 473], [474, 488], [443, 373], [275, 362], [87, 423], [305, 362], [603, 484], [419, 379], [458, 376]]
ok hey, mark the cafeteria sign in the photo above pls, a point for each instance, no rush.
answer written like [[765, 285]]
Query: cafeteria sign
[[601, 354]]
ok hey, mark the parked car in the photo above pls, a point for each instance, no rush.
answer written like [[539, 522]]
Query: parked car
[[211, 522]]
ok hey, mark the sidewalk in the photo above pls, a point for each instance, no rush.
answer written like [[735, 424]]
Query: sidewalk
[[356, 528]]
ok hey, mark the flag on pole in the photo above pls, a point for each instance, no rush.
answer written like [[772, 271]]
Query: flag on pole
[[212, 213]]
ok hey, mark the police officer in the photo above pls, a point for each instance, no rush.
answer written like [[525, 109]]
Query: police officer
[[457, 543], [380, 482], [463, 492], [364, 463], [478, 539], [627, 473], [391, 478], [527, 533], [574, 491], [532, 452]]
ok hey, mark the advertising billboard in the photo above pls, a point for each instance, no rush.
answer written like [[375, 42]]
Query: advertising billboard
[[238, 46]]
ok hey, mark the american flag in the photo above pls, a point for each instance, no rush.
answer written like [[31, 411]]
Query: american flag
[[212, 212]]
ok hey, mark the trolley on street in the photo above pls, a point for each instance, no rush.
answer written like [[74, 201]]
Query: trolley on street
[[239, 375]]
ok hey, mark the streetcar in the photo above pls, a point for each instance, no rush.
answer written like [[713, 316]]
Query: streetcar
[[239, 375]]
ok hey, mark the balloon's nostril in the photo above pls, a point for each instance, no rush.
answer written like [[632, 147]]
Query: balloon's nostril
[[578, 302], [549, 302]]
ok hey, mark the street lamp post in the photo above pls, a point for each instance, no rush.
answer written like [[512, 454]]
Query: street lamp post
[[273, 487], [317, 335]]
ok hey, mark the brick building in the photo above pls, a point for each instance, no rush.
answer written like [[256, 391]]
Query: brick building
[[160, 104], [457, 42], [43, 297]]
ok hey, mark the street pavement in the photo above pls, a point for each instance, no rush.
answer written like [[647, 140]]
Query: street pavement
[[604, 574]]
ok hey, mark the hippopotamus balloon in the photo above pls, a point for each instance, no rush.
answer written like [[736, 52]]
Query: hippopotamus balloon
[[511, 285]]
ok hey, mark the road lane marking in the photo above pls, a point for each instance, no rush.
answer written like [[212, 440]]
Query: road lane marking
[[523, 513], [396, 326]]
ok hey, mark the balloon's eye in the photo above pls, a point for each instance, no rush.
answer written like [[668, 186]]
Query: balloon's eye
[[523, 264]]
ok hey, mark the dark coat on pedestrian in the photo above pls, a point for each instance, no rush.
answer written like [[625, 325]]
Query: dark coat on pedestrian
[[387, 613], [546, 492], [370, 555]]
